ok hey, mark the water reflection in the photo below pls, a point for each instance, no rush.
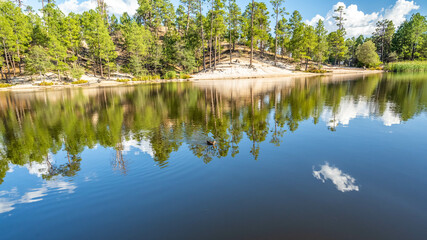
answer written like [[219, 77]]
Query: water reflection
[[9, 199], [342, 181], [159, 119]]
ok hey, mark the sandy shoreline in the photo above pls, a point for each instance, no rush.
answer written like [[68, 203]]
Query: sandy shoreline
[[28, 87]]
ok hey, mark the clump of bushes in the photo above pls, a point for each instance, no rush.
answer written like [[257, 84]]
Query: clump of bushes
[[184, 76], [46, 83], [5, 85], [77, 72], [147, 78], [122, 80], [80, 82], [170, 75], [376, 68], [317, 71], [413, 66]]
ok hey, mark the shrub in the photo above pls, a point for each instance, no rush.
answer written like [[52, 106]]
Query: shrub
[[123, 80], [317, 71], [184, 76], [5, 85], [146, 78], [46, 83], [170, 75], [77, 72], [79, 82], [367, 55]]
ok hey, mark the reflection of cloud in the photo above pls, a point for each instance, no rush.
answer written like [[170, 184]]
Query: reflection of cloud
[[351, 108], [34, 195], [143, 146], [342, 181]]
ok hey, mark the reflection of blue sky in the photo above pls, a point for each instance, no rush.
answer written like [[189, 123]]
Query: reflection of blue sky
[[342, 181], [351, 108], [10, 198]]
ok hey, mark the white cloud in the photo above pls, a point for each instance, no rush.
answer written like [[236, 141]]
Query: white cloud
[[351, 108], [360, 23], [144, 146], [114, 6], [342, 181], [34, 195], [314, 20], [398, 12]]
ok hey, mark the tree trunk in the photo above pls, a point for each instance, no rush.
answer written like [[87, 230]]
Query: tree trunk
[[94, 67], [100, 66], [211, 41], [275, 44], [215, 51], [252, 35], [7, 61], [219, 49], [188, 17], [229, 26], [13, 64], [19, 56], [203, 38]]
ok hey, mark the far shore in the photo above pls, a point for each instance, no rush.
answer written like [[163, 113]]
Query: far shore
[[27, 87]]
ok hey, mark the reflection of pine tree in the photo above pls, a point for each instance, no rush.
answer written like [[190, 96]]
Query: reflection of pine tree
[[119, 163]]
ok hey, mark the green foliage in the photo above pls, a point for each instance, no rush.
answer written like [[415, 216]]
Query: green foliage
[[5, 85], [170, 75], [147, 78], [382, 38], [367, 55], [160, 38], [44, 83], [38, 61], [408, 41], [80, 82], [76, 72], [412, 66], [122, 80], [184, 76]]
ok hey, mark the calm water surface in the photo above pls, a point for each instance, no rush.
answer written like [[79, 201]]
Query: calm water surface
[[319, 158]]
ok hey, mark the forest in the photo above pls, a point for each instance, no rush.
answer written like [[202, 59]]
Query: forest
[[161, 38]]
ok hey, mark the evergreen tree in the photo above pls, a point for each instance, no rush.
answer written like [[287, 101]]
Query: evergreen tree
[[367, 54], [382, 38], [234, 22], [278, 11], [322, 44], [297, 40], [100, 44]]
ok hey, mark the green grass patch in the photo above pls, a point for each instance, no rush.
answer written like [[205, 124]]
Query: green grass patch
[[5, 85], [409, 66], [80, 82]]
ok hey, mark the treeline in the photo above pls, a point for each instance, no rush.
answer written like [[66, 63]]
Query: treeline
[[160, 38]]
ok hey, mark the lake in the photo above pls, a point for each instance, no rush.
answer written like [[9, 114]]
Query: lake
[[313, 158]]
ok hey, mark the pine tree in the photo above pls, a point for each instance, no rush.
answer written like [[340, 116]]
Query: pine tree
[[96, 35], [382, 37], [278, 11], [234, 21], [322, 44]]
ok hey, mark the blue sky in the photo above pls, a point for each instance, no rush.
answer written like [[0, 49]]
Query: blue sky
[[361, 14]]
